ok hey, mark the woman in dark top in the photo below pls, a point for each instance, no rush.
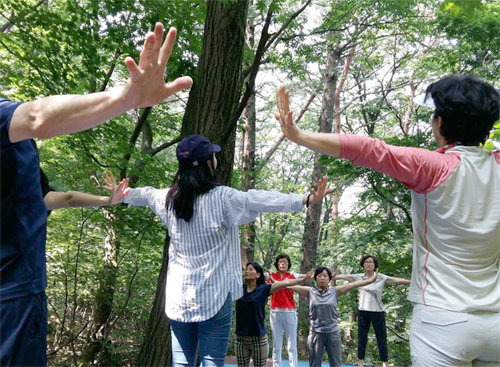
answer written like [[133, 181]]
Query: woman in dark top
[[251, 338]]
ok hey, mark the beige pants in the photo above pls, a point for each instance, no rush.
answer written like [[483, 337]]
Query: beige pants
[[444, 338]]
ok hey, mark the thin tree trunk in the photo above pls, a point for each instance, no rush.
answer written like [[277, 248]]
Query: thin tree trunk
[[248, 159], [155, 350], [409, 111], [313, 216], [104, 295]]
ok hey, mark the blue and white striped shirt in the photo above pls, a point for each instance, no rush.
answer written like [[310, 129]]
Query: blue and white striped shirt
[[204, 254]]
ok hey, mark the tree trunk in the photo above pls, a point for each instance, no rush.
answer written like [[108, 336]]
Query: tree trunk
[[104, 295], [217, 86], [155, 349], [212, 102], [248, 170], [313, 216]]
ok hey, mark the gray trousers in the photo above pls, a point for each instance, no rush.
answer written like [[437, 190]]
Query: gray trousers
[[318, 342]]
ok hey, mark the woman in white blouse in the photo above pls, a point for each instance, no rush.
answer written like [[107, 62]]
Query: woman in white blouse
[[371, 308], [204, 270]]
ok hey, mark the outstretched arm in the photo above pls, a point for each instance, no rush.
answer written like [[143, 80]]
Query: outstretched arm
[[276, 286], [301, 289], [341, 289], [418, 169], [394, 280], [348, 278], [243, 207], [57, 200], [66, 114]]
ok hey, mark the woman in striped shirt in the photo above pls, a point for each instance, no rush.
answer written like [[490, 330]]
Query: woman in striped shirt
[[204, 270]]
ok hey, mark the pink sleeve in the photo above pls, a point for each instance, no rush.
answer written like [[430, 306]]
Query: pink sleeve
[[420, 170]]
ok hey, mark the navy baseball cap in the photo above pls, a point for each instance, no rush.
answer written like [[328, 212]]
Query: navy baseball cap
[[195, 149]]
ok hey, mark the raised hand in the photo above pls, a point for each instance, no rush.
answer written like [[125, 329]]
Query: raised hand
[[284, 115], [117, 192], [318, 194], [334, 272], [374, 276], [308, 276], [146, 86]]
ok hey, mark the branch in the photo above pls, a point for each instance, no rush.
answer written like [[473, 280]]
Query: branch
[[287, 23], [47, 83], [402, 207], [266, 40], [94, 158], [11, 22], [111, 69], [156, 150]]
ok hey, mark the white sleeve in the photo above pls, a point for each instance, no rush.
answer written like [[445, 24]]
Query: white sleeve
[[243, 207], [148, 196]]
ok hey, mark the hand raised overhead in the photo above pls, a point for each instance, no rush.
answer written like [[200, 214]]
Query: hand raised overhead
[[284, 115], [146, 85]]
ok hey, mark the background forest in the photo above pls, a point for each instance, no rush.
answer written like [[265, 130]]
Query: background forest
[[352, 66]]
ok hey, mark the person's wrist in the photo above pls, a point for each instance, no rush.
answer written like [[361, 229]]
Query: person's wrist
[[296, 136], [120, 95], [308, 200]]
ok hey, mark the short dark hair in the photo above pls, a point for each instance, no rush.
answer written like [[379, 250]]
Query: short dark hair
[[366, 257], [282, 256], [321, 269], [189, 182], [261, 279], [469, 107]]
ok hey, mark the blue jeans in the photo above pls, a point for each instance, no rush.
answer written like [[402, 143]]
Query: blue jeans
[[210, 337]]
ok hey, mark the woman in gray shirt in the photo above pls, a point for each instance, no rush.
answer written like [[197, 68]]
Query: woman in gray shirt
[[324, 331]]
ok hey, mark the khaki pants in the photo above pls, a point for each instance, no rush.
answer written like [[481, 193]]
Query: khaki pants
[[445, 338]]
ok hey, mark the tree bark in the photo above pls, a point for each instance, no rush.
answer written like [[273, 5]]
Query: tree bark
[[217, 86], [248, 170], [212, 102], [104, 295], [155, 349]]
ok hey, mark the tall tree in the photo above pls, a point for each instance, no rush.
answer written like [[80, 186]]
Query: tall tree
[[212, 103], [248, 170]]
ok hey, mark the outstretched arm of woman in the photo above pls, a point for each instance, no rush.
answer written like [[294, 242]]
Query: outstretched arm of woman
[[394, 280], [243, 207], [348, 278], [57, 200], [301, 289], [342, 289], [419, 169], [276, 286], [328, 144]]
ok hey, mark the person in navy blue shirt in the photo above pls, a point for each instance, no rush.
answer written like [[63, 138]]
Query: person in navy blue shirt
[[23, 309], [251, 335]]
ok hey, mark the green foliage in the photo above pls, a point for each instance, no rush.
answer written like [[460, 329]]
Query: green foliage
[[68, 46]]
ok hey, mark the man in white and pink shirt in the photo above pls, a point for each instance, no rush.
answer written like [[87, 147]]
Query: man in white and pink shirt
[[455, 284]]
